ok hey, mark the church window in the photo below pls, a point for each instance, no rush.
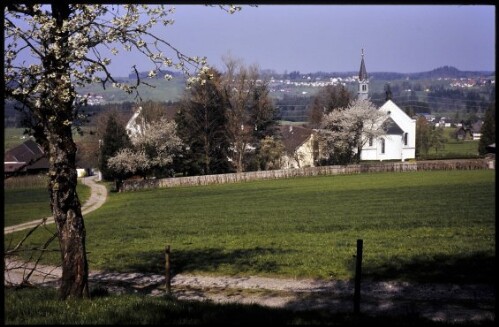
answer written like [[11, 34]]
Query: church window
[[382, 146], [371, 141], [405, 138]]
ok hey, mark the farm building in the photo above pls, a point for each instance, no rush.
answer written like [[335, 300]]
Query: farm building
[[26, 158], [29, 158]]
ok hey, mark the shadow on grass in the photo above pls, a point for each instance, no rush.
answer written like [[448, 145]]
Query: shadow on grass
[[42, 307], [199, 259], [474, 268]]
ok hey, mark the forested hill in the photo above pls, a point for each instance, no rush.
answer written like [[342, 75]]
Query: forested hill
[[441, 72]]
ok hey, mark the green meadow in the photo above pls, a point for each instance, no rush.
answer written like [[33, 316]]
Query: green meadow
[[27, 198], [433, 226], [40, 306]]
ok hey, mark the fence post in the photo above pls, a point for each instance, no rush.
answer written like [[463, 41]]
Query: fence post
[[358, 273], [167, 270]]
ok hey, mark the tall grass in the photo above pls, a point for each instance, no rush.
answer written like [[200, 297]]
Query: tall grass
[[425, 226]]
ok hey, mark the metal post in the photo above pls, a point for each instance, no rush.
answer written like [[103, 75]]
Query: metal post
[[358, 273], [167, 270]]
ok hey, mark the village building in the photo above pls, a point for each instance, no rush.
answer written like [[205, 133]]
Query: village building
[[300, 146], [469, 132], [399, 139], [135, 126], [26, 158], [397, 143]]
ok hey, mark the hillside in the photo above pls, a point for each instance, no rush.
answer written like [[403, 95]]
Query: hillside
[[293, 91]]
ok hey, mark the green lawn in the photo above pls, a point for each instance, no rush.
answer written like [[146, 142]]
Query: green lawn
[[425, 226], [460, 148], [40, 306], [26, 203], [30, 306], [13, 137]]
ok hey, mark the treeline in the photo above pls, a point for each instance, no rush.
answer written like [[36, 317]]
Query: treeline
[[441, 72], [225, 122]]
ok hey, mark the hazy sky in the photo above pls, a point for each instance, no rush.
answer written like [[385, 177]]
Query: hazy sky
[[311, 38]]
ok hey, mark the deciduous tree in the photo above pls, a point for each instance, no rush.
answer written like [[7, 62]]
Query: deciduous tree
[[70, 45], [250, 113], [327, 99], [270, 154], [346, 130]]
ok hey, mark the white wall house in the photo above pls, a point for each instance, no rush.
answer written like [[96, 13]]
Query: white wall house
[[399, 141], [301, 147], [134, 125]]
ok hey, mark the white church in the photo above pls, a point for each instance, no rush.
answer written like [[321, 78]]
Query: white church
[[399, 139]]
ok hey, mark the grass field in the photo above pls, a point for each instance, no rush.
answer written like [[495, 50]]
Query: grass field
[[424, 226], [13, 137], [458, 148], [27, 199], [41, 307]]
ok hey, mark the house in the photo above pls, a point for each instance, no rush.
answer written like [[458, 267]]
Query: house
[[135, 125], [476, 130], [469, 132], [463, 133], [137, 122], [27, 158], [399, 140], [300, 146]]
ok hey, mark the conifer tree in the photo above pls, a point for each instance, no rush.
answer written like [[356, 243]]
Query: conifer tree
[[488, 130]]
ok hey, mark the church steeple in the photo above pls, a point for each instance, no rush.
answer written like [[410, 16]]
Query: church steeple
[[363, 81]]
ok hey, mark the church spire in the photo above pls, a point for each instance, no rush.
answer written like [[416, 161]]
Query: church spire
[[363, 71], [363, 81]]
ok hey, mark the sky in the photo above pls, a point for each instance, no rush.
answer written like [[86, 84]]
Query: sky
[[329, 38]]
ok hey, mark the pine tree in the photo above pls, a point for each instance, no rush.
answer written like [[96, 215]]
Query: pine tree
[[202, 126], [115, 138], [488, 130]]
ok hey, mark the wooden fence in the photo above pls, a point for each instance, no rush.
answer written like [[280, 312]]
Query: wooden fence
[[467, 164]]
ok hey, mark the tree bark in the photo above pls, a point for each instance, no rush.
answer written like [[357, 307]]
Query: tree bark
[[66, 209], [61, 149]]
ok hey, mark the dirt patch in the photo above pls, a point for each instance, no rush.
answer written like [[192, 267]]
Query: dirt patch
[[437, 302]]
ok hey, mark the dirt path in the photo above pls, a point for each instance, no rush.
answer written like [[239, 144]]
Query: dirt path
[[97, 198], [438, 302]]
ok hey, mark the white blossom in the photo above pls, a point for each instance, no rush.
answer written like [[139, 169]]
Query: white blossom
[[351, 127], [127, 161]]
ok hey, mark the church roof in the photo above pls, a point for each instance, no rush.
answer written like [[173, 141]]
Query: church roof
[[362, 71], [391, 127]]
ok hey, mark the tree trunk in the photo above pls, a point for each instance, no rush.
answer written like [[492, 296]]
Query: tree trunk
[[58, 142], [66, 209]]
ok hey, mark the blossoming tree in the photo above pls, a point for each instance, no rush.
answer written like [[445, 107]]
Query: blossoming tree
[[346, 130], [49, 51], [153, 148]]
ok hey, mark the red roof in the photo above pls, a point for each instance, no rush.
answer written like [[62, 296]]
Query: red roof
[[28, 155]]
